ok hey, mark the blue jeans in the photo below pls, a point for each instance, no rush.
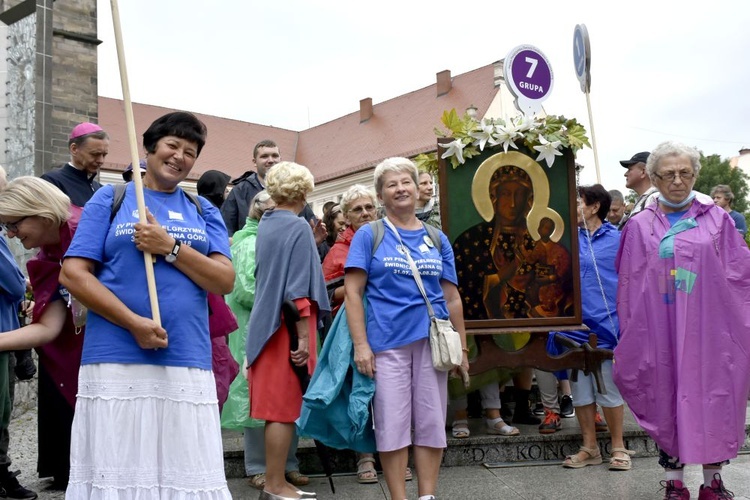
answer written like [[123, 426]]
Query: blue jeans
[[255, 452]]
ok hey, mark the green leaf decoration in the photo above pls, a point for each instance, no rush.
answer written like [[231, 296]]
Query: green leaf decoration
[[554, 128]]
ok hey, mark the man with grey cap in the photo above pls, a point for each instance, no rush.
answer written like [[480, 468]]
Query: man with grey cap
[[638, 180], [89, 146]]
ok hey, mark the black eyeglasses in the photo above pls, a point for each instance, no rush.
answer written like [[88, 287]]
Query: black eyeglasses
[[362, 208], [671, 176], [13, 226]]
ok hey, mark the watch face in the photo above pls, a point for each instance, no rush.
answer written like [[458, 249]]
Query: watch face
[[170, 258]]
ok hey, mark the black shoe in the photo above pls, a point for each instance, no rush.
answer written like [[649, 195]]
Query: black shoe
[[25, 368], [522, 412], [59, 483], [538, 409], [566, 407], [13, 488]]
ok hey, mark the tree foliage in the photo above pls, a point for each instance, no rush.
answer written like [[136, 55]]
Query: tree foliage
[[716, 171]]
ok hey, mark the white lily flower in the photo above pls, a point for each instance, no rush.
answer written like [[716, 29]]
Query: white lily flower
[[524, 123], [484, 135], [507, 135], [548, 150], [455, 148]]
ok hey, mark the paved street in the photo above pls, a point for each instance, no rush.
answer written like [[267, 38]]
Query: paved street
[[545, 482]]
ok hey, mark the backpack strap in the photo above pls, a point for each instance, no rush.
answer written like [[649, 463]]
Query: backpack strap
[[378, 231], [434, 234], [119, 196]]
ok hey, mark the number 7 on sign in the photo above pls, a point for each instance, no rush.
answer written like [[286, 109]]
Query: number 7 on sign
[[533, 62]]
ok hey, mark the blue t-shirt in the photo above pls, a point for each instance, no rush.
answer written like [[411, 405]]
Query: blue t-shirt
[[397, 313], [674, 217], [183, 305]]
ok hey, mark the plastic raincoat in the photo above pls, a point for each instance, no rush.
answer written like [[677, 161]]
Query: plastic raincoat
[[683, 361], [236, 412], [335, 408]]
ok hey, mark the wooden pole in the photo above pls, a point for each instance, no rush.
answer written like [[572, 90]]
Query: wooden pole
[[593, 140], [148, 261]]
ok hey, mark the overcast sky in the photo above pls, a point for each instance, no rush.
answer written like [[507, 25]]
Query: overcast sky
[[661, 70]]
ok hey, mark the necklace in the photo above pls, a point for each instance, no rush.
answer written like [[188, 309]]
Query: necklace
[[151, 200]]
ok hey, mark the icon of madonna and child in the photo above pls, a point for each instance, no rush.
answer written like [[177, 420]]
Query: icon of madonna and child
[[513, 264]]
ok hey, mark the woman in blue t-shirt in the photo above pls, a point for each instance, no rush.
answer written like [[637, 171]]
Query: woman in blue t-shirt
[[146, 412], [392, 344]]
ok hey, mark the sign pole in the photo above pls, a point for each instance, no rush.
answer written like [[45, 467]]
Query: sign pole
[[148, 261], [593, 139]]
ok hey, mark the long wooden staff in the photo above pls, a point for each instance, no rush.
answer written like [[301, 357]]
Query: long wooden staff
[[147, 260]]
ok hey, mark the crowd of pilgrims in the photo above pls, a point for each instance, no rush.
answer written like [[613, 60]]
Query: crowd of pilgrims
[[278, 323]]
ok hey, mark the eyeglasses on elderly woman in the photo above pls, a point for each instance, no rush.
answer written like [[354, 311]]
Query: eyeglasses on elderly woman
[[671, 176], [363, 208]]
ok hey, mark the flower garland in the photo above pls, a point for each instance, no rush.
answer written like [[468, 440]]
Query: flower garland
[[548, 136]]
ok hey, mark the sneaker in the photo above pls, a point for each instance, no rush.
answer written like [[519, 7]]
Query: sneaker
[[674, 490], [599, 424], [566, 406], [551, 423], [13, 488], [538, 409], [716, 491]]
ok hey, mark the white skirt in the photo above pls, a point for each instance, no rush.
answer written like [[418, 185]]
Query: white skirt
[[146, 432]]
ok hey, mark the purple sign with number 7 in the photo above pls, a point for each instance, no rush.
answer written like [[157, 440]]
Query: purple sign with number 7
[[529, 77]]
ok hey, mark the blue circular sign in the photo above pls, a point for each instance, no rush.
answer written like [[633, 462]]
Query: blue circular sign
[[582, 56]]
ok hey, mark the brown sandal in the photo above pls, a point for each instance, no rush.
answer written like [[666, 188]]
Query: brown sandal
[[366, 473], [574, 462], [297, 478], [257, 481], [621, 463]]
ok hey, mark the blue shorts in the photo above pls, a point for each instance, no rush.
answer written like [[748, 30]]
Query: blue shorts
[[585, 393]]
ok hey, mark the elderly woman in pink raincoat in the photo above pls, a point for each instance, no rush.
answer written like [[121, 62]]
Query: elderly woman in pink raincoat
[[682, 364]]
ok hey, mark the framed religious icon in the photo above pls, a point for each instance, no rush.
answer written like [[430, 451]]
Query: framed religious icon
[[512, 223]]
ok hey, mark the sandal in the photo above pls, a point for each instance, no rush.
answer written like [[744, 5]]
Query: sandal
[[460, 429], [498, 427], [257, 481], [408, 476], [620, 463], [297, 478], [574, 462], [366, 473]]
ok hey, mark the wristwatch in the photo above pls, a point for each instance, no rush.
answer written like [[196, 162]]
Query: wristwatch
[[171, 257]]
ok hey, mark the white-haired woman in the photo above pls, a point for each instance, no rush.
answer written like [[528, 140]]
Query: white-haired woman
[[683, 300], [287, 269], [392, 345], [41, 216]]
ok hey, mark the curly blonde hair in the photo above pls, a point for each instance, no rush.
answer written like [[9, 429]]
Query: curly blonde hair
[[288, 182], [27, 196]]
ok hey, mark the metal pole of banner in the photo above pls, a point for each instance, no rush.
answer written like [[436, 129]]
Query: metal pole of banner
[[147, 259], [593, 139]]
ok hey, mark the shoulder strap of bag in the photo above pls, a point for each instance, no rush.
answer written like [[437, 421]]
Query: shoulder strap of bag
[[414, 270], [119, 196]]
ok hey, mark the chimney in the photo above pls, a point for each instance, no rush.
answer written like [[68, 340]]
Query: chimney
[[444, 83], [365, 109]]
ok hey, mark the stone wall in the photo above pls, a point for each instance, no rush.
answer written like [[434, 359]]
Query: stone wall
[[74, 73]]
